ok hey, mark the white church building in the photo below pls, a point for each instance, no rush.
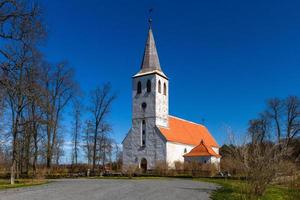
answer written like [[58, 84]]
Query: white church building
[[155, 136]]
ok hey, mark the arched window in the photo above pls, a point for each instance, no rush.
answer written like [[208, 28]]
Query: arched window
[[184, 150], [148, 86], [165, 89], [139, 87], [159, 86]]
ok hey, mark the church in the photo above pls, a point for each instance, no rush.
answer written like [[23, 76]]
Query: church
[[155, 136]]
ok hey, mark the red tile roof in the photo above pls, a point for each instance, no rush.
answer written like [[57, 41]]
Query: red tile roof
[[202, 150], [186, 132]]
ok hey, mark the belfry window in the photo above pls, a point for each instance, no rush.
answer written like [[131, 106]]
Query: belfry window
[[159, 86], [139, 87], [148, 86], [165, 89]]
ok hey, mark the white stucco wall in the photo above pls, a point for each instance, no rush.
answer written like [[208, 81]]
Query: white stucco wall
[[154, 150], [175, 152], [216, 149], [157, 103], [215, 160], [155, 114], [162, 102]]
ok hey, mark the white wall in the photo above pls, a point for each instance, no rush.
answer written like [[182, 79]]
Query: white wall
[[175, 152], [215, 160], [133, 153], [162, 102], [216, 149], [156, 113]]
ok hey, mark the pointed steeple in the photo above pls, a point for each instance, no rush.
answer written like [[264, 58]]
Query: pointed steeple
[[150, 62]]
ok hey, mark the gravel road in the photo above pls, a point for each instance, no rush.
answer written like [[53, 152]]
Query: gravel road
[[113, 189]]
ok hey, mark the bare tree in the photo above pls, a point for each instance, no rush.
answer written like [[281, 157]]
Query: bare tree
[[76, 133], [274, 111], [22, 29], [2, 109], [118, 156], [88, 141], [259, 129], [292, 112], [60, 87], [285, 117], [58, 150], [34, 94], [100, 105], [105, 143], [270, 148], [19, 20]]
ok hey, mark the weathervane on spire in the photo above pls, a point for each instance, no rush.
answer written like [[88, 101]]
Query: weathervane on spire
[[150, 17]]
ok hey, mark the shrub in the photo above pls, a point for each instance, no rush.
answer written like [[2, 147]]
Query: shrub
[[161, 168]]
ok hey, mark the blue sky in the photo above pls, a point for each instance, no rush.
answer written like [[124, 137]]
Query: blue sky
[[223, 58]]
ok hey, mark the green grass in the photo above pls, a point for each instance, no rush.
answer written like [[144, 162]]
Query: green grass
[[5, 184], [238, 190]]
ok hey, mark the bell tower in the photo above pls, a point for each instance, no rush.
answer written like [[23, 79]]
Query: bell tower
[[143, 146], [150, 91]]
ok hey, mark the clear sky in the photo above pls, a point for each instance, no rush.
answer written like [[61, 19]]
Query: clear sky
[[223, 58]]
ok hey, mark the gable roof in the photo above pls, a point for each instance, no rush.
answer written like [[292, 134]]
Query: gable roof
[[202, 150], [186, 132]]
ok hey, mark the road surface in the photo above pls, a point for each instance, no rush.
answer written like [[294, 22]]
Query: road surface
[[113, 189]]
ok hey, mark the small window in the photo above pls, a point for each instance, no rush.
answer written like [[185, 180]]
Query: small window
[[143, 134], [165, 89], [144, 106], [148, 86], [185, 150], [159, 86], [139, 87]]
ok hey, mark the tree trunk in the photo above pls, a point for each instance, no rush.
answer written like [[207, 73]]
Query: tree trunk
[[35, 151], [95, 148], [14, 152], [12, 172], [49, 152], [104, 155]]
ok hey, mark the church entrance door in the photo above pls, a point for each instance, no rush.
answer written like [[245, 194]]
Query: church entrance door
[[144, 164]]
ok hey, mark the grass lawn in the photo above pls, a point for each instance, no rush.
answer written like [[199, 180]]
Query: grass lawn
[[237, 190], [5, 184]]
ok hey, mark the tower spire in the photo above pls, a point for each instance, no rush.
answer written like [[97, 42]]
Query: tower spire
[[150, 60]]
